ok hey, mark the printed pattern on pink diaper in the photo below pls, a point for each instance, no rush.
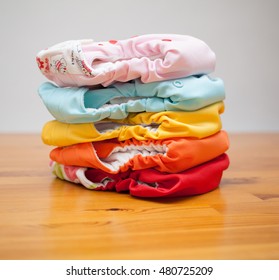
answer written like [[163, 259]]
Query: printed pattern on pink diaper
[[43, 64], [79, 59], [64, 58]]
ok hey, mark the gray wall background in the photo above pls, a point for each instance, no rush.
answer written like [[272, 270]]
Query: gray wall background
[[243, 34]]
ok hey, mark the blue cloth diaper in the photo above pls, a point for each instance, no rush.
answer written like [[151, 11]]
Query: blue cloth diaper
[[85, 105]]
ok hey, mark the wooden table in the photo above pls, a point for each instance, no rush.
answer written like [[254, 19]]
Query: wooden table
[[42, 217]]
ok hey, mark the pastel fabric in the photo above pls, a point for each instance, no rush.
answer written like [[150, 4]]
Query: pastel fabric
[[151, 58], [83, 105], [148, 182], [170, 155], [141, 126]]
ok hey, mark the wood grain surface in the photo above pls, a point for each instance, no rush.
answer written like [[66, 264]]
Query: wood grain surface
[[42, 217]]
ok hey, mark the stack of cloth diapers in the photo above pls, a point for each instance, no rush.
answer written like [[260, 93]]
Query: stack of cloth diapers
[[139, 115]]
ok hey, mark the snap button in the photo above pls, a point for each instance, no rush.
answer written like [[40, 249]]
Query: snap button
[[178, 84]]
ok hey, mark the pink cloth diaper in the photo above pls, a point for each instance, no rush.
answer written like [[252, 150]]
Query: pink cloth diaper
[[151, 58]]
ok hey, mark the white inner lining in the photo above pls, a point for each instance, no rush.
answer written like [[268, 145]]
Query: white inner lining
[[123, 99], [119, 156], [91, 185], [116, 101], [103, 127], [152, 185]]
